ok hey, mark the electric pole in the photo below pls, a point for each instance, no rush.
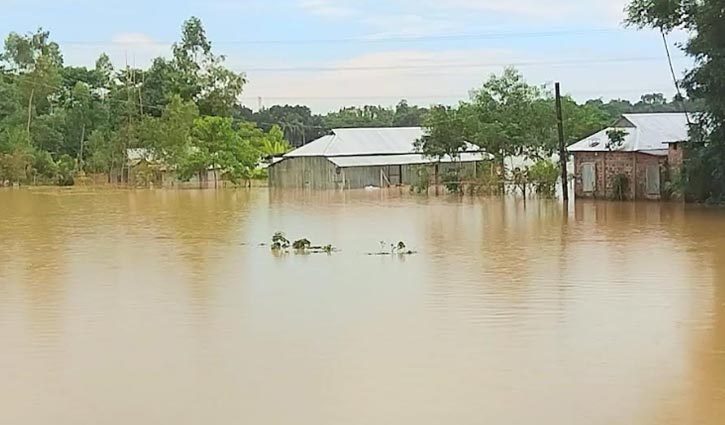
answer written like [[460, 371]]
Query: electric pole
[[562, 145]]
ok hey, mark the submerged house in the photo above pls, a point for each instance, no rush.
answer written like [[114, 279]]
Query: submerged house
[[648, 156], [354, 158]]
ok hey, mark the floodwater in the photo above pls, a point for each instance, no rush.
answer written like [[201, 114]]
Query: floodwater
[[159, 307]]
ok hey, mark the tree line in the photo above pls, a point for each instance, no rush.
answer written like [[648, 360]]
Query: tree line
[[59, 122]]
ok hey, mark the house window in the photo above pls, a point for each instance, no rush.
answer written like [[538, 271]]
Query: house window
[[653, 179], [589, 174]]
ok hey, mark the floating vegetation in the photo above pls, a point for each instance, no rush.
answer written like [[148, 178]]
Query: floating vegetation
[[281, 245], [280, 242], [301, 245], [394, 249]]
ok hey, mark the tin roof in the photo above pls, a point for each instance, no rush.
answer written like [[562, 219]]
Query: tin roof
[[644, 133], [362, 141], [409, 159]]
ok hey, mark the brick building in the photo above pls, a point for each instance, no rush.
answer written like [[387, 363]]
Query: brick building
[[646, 159]]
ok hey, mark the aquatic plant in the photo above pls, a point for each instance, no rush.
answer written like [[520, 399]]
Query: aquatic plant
[[395, 249], [279, 242], [301, 245]]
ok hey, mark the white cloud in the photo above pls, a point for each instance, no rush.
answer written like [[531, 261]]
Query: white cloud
[[385, 84], [136, 49], [428, 77]]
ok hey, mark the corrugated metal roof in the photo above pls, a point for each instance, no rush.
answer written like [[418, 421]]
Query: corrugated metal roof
[[362, 141], [647, 133], [409, 159]]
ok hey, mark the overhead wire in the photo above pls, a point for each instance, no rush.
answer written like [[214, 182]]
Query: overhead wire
[[375, 39]]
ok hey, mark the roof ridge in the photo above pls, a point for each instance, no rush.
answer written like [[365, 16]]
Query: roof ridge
[[333, 136], [377, 128]]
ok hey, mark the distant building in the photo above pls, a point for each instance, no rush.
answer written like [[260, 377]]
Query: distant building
[[649, 156], [354, 158], [144, 170]]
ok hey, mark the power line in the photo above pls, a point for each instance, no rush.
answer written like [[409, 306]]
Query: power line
[[381, 39], [461, 65], [674, 76], [435, 95]]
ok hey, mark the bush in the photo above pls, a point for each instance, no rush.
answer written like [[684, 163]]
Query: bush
[[544, 175], [422, 181], [66, 171], [43, 165], [488, 180], [452, 182]]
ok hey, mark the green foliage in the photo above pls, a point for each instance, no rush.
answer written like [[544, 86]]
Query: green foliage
[[280, 245], [44, 168], [452, 181], [14, 166], [616, 139], [444, 134], [66, 170], [507, 116], [217, 146], [704, 22], [94, 115], [274, 143], [279, 241], [301, 245], [169, 137], [620, 187], [422, 179], [544, 175]]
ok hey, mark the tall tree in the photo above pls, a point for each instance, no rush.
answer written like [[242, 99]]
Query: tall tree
[[444, 134], [505, 117], [37, 62], [704, 21]]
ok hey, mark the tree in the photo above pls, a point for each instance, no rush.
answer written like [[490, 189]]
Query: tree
[[36, 61], [507, 117], [274, 143], [200, 75], [216, 146], [443, 134], [367, 116], [169, 137], [704, 20], [583, 120], [408, 116], [616, 138], [443, 138], [221, 88]]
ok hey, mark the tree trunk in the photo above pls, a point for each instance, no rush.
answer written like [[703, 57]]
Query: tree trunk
[[30, 110], [436, 179], [502, 175], [80, 152]]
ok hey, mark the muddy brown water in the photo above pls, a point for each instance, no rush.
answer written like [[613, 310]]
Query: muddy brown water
[[158, 307]]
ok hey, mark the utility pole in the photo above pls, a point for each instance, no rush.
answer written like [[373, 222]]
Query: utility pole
[[562, 145]]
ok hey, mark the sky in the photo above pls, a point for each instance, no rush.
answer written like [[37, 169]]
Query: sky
[[332, 53]]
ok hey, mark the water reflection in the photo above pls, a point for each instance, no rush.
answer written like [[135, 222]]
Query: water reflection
[[160, 307]]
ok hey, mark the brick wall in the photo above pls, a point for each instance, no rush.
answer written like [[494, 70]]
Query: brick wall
[[675, 155], [609, 164]]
